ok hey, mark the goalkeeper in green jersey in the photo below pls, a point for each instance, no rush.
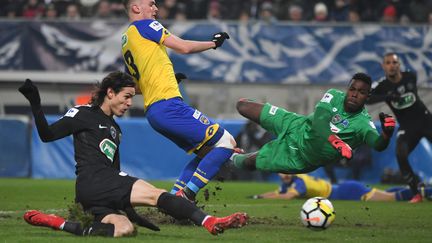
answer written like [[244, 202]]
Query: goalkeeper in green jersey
[[339, 124]]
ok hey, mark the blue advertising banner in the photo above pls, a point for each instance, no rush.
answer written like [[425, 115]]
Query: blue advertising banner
[[143, 152], [255, 53]]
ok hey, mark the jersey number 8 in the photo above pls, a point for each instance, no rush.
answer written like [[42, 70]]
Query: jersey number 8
[[130, 62]]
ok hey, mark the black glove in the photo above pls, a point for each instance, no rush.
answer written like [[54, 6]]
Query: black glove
[[31, 92], [180, 77], [219, 38], [388, 124]]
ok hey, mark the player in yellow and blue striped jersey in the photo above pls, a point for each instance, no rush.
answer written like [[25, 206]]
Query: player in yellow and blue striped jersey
[[144, 51], [306, 186]]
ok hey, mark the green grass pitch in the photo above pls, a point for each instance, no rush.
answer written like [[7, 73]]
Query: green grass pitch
[[271, 220]]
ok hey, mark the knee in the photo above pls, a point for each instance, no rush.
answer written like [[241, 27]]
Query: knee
[[241, 105], [124, 228], [226, 141]]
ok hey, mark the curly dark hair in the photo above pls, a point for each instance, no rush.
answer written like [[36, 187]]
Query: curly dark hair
[[116, 81], [363, 77]]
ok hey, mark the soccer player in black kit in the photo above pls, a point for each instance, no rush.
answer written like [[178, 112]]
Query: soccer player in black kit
[[101, 187], [399, 91]]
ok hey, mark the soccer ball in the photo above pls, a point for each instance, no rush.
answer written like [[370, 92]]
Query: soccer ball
[[317, 213]]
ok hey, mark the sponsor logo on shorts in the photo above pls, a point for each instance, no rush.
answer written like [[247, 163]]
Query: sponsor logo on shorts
[[121, 173], [108, 148], [273, 110]]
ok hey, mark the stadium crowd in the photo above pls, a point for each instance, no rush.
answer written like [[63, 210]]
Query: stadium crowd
[[388, 11]]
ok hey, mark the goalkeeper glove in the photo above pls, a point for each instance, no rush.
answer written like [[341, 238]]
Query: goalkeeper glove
[[343, 148], [180, 77], [219, 39], [31, 92], [388, 124]]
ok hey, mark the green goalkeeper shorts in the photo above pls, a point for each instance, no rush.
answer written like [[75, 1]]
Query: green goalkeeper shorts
[[282, 154]]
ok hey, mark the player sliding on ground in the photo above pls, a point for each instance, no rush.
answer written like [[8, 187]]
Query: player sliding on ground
[[339, 123], [101, 187], [306, 186]]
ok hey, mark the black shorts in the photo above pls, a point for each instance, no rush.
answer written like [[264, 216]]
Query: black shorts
[[104, 192], [412, 133]]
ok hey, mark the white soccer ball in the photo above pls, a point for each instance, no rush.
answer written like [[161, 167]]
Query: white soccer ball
[[317, 213]]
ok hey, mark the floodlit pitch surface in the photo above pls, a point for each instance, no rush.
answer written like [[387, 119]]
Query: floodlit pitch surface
[[271, 220]]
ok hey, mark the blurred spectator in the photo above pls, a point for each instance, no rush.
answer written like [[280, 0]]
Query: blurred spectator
[[419, 11], [72, 12], [214, 10], [162, 13], [87, 7], [252, 7], [103, 10], [369, 10], [12, 8], [389, 14], [353, 16], [170, 8], [244, 17], [266, 13], [340, 11], [181, 12], [320, 12], [388, 11], [430, 18], [197, 9], [50, 12], [33, 9], [295, 13], [117, 8]]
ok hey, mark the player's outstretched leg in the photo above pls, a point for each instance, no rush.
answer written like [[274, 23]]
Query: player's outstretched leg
[[37, 218], [217, 225]]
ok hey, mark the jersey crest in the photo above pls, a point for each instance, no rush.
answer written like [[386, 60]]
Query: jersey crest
[[113, 132]]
